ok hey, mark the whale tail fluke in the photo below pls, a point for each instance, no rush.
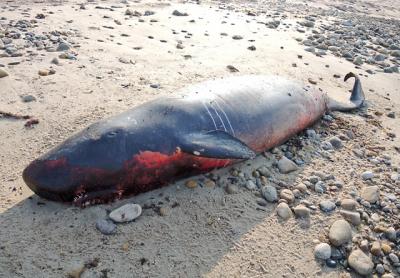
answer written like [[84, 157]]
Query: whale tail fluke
[[357, 97]]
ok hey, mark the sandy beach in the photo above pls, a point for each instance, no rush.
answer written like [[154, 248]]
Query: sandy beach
[[70, 63]]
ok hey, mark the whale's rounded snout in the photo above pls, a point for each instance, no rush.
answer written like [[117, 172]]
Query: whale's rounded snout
[[50, 179]]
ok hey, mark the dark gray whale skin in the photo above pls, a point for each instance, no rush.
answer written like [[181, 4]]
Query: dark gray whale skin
[[206, 126]]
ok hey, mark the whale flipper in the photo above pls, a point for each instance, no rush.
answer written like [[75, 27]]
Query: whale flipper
[[216, 144]]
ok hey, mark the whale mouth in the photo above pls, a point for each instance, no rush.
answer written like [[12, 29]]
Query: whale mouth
[[88, 198]]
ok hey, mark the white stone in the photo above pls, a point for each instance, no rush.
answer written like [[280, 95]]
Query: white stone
[[126, 213]]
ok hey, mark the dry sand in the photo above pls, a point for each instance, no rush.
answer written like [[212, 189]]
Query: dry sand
[[210, 233]]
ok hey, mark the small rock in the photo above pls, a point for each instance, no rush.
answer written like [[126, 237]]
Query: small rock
[[106, 227], [349, 204], [270, 194], [251, 48], [370, 193], [284, 211], [367, 175], [231, 189], [360, 262], [250, 185], [3, 73], [232, 68], [322, 251], [28, 98], [55, 61], [43, 72], [209, 183], [336, 142], [390, 234], [351, 216], [380, 269], [312, 81], [163, 211], [302, 212], [63, 46], [358, 61], [326, 145], [262, 202], [237, 37], [327, 206], [191, 184], [393, 258], [178, 13], [287, 195], [286, 166], [340, 232], [376, 248], [320, 187], [391, 115], [331, 263], [301, 187], [386, 248], [126, 213]]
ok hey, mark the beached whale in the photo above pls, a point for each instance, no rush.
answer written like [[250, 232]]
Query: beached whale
[[203, 127]]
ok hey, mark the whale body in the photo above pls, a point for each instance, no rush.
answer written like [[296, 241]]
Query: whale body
[[203, 127]]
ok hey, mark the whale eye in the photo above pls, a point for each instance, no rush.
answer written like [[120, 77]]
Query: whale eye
[[112, 133]]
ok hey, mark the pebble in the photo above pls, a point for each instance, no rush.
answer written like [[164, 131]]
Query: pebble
[[322, 251], [390, 234], [312, 81], [386, 248], [285, 165], [63, 46], [261, 202], [106, 227], [320, 187], [336, 254], [55, 61], [327, 206], [331, 263], [360, 262], [376, 248], [326, 145], [349, 204], [28, 98], [126, 213], [351, 216], [380, 269], [178, 13], [191, 184], [231, 189], [367, 175], [237, 37], [302, 211], [250, 185], [3, 73], [336, 142], [301, 187], [287, 195], [43, 72], [340, 232], [393, 257], [269, 193], [358, 61], [370, 193], [283, 211], [209, 183], [163, 211]]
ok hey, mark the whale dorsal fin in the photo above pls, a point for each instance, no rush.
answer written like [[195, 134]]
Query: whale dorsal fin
[[215, 144]]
